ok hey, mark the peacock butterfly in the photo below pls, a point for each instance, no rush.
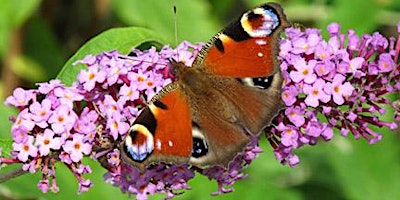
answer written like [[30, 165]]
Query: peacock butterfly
[[232, 91]]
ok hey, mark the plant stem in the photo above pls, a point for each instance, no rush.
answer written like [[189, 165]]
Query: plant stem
[[11, 174]]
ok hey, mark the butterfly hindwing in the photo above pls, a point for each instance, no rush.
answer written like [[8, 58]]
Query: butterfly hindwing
[[162, 132], [255, 107], [223, 140], [229, 115]]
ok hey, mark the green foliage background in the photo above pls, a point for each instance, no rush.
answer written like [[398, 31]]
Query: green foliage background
[[341, 169]]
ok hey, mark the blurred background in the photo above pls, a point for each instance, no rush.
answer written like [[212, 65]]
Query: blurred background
[[38, 36]]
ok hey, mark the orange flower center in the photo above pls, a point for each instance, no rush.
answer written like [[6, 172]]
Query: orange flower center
[[115, 125], [42, 113], [77, 146], [60, 118], [141, 79], [336, 89], [91, 76]]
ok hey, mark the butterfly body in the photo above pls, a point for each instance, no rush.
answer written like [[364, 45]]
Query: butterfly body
[[206, 116]]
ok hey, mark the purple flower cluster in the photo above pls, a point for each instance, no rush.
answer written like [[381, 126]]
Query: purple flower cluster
[[227, 177], [167, 179], [91, 117], [44, 132], [335, 84], [339, 83], [160, 178]]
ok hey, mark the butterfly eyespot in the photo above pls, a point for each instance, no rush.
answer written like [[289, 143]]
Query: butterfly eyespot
[[258, 82], [260, 22], [263, 82], [200, 147], [139, 143]]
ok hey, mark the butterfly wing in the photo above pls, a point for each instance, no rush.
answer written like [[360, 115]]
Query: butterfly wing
[[247, 47], [247, 50], [162, 131], [222, 140], [225, 113], [241, 65]]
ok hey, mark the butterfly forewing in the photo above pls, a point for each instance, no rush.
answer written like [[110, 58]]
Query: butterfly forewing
[[247, 47]]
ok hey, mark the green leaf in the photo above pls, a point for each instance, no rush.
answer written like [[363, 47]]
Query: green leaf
[[6, 147], [12, 15], [194, 21], [5, 125], [121, 39], [18, 13]]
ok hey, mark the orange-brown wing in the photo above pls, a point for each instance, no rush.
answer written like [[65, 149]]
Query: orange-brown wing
[[221, 141], [162, 132], [247, 58], [227, 114], [245, 51], [247, 47]]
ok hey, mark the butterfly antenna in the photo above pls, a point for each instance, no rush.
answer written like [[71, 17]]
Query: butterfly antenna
[[176, 32]]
